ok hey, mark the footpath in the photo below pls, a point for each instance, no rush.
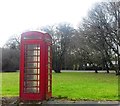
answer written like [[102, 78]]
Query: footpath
[[14, 101]]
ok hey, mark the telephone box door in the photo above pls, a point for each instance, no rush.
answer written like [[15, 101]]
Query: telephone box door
[[32, 82]]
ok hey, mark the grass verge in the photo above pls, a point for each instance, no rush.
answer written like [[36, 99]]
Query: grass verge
[[71, 85]]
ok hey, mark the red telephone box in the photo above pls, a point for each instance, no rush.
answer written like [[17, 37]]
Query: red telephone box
[[35, 66]]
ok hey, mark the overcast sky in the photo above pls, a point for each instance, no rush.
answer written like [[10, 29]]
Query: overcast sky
[[17, 16]]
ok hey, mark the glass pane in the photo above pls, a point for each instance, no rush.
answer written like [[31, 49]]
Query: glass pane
[[31, 90], [39, 71], [48, 53], [31, 77], [48, 59], [31, 65], [48, 82], [31, 83], [48, 66], [32, 58], [48, 48], [48, 76], [31, 53], [31, 71], [48, 71], [31, 47], [38, 64], [48, 88]]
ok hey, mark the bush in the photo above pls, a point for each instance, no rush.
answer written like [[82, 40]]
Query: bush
[[10, 60]]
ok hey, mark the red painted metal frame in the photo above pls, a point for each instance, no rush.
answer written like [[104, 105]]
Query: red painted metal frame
[[44, 41], [49, 94]]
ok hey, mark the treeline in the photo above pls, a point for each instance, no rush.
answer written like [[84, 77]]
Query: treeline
[[11, 55], [95, 44]]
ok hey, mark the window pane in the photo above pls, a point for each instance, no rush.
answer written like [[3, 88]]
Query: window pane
[[31, 71], [31, 90], [31, 65], [48, 53], [48, 48], [48, 59], [31, 77], [31, 83], [31, 47], [31, 53], [33, 58], [48, 66], [48, 82], [48, 88]]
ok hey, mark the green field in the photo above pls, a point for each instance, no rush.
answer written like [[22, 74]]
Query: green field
[[71, 85]]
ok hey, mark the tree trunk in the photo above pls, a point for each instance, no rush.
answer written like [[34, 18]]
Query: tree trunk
[[118, 69], [107, 68], [57, 68], [96, 70], [108, 71], [106, 65]]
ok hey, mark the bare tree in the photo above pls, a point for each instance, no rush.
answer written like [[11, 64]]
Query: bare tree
[[100, 30], [61, 35], [10, 54], [13, 42]]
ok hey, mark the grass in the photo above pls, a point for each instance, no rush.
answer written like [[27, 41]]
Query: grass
[[87, 86], [10, 84], [71, 85]]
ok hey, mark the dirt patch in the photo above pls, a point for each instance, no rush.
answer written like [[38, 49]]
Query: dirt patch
[[14, 101]]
